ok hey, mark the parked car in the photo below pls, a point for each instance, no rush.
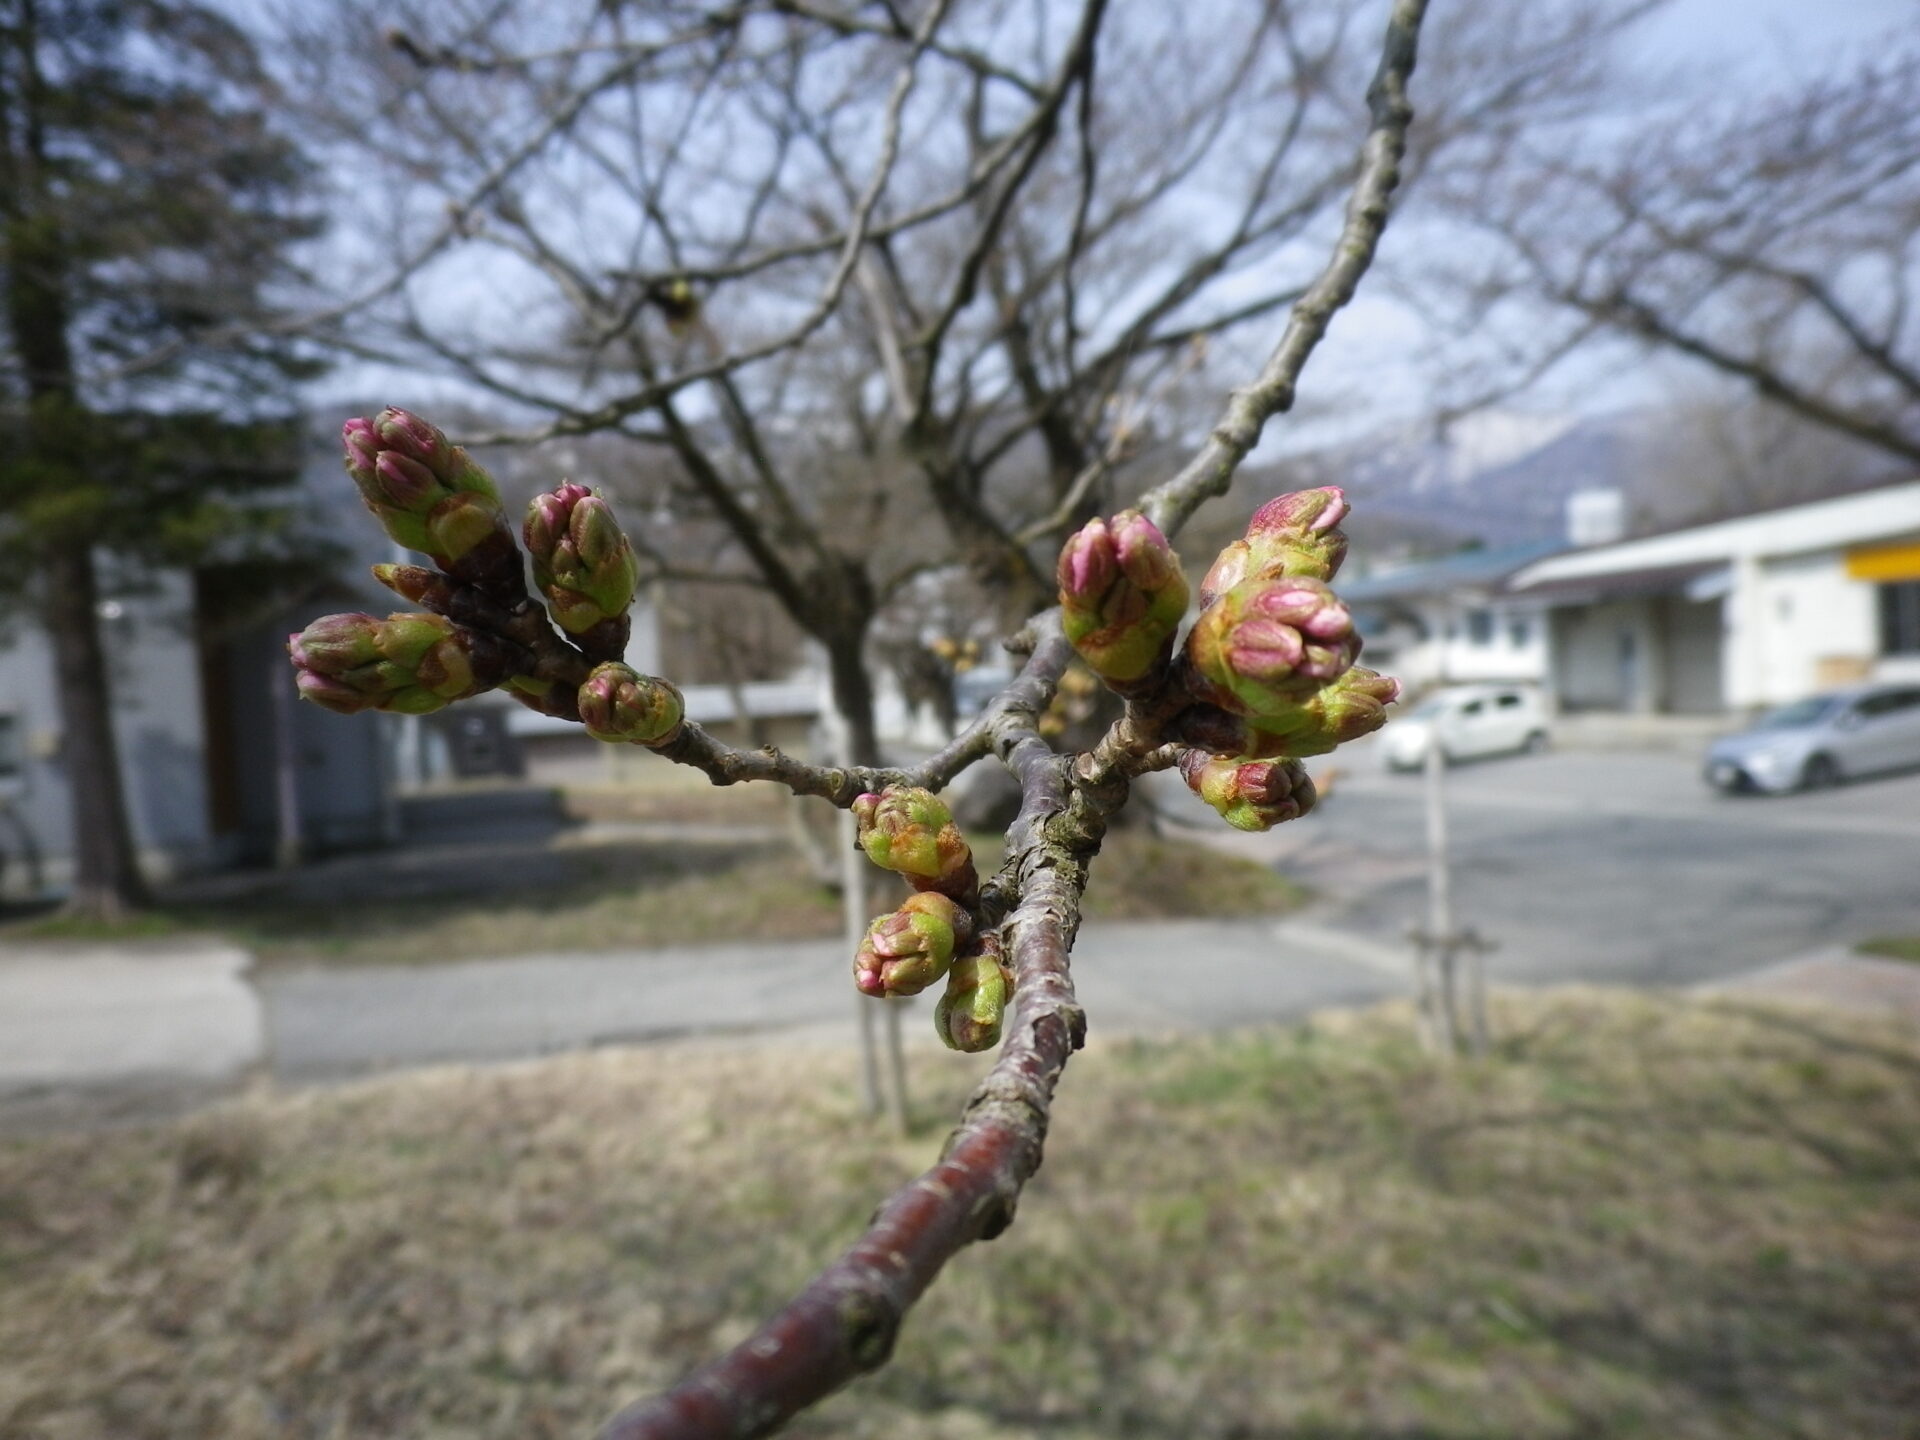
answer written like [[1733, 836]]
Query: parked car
[[1821, 740], [1469, 721]]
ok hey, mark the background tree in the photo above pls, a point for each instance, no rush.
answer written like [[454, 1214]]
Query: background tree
[[146, 210], [1770, 238], [853, 267]]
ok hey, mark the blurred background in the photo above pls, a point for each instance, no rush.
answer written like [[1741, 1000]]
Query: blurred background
[[855, 311]]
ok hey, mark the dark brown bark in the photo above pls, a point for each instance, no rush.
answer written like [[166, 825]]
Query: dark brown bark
[[107, 881], [853, 695]]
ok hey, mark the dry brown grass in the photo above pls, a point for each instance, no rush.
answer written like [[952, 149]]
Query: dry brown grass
[[639, 894], [1646, 1218]]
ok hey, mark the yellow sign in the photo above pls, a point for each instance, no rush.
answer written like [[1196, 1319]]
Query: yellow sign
[[1885, 562]]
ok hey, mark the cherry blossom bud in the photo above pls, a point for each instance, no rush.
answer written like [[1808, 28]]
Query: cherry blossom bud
[[911, 832], [620, 704], [584, 565], [1349, 707], [429, 495], [1266, 645], [1122, 595], [1291, 535], [409, 664], [1249, 794], [969, 1014], [907, 951]]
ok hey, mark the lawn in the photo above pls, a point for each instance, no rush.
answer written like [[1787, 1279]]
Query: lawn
[[1645, 1218], [1893, 947], [463, 902]]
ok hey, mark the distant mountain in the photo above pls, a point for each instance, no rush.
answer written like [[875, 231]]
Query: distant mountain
[[1503, 480]]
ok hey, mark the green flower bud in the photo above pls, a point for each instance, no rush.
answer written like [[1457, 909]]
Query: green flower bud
[[408, 664], [970, 1012], [911, 832], [620, 704], [907, 951], [1353, 705]]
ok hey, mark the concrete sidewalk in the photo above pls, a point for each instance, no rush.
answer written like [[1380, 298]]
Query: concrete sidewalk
[[93, 1033], [1167, 976]]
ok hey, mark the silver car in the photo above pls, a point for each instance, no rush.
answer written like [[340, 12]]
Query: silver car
[[1821, 741]]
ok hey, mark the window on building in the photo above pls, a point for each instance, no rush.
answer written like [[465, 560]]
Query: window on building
[[1900, 618], [1479, 627], [1520, 632], [9, 746]]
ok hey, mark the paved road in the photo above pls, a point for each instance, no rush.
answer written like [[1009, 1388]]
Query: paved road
[[1618, 867], [1606, 867]]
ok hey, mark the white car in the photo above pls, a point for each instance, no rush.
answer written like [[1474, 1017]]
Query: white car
[[1469, 720]]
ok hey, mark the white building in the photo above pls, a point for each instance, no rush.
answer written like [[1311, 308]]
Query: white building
[[1451, 621], [1738, 614]]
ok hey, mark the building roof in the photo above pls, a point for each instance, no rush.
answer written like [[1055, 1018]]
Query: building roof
[[1464, 569], [1868, 515]]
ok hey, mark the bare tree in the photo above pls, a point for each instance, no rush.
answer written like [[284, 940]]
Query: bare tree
[[486, 629], [850, 267], [1771, 238]]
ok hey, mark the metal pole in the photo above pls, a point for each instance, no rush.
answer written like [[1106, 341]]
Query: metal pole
[[1440, 934], [896, 1068], [289, 847], [853, 914]]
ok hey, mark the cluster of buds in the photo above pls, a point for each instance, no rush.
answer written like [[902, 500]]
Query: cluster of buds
[[620, 705], [1268, 676], [408, 664], [911, 832], [1274, 648], [1122, 596], [971, 1009], [905, 952], [1249, 794], [584, 566], [430, 496]]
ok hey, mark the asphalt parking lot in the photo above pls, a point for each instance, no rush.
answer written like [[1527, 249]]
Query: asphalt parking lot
[[1615, 866]]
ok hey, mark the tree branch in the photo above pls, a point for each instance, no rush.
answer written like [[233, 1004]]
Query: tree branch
[[1210, 472]]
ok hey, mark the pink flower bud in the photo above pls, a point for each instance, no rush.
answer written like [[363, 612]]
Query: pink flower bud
[[1266, 645], [1249, 794], [620, 704], [907, 951], [1122, 595]]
